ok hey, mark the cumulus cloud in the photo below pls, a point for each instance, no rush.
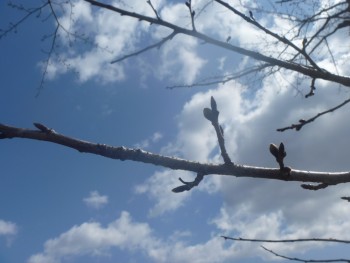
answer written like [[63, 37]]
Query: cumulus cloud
[[252, 208], [95, 200], [265, 208], [94, 239], [158, 188]]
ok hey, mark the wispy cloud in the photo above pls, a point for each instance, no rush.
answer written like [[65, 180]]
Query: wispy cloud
[[7, 228], [95, 200]]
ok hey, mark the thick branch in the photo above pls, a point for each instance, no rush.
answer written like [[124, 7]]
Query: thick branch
[[138, 155], [311, 72]]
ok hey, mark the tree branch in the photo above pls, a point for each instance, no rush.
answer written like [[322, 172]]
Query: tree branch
[[138, 155], [156, 45], [306, 260], [287, 240], [311, 72], [303, 122]]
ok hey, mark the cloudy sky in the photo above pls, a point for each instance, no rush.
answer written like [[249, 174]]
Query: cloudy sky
[[58, 205]]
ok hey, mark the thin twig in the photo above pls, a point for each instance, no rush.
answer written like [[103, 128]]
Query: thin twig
[[13, 26], [284, 40], [303, 122], [288, 240], [305, 260], [223, 79], [212, 115], [154, 10], [156, 45]]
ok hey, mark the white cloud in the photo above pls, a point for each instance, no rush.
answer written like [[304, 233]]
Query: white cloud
[[7, 228], [95, 200], [252, 208], [158, 188], [9, 231], [93, 239]]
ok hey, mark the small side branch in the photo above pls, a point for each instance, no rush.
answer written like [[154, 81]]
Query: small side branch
[[156, 45], [192, 13], [306, 260], [188, 185], [312, 89], [303, 122], [223, 79], [154, 10], [287, 240], [212, 115]]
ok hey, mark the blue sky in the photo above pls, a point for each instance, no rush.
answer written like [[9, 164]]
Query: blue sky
[[59, 205]]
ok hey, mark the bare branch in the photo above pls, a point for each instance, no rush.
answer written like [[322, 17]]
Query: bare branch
[[306, 260], [14, 26], [156, 45], [138, 155], [192, 13], [223, 79], [303, 122], [284, 40], [154, 10], [212, 115], [288, 240], [311, 72]]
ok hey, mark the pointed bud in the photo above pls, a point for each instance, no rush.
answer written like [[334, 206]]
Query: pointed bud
[[213, 104]]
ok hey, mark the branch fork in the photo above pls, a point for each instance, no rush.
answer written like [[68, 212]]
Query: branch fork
[[211, 115]]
